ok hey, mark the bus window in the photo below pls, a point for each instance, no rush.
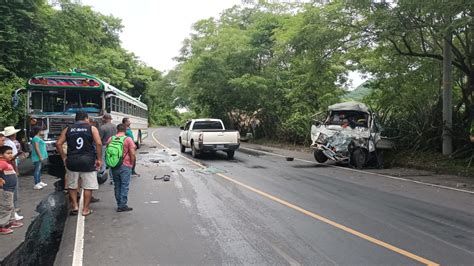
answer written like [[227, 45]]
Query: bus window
[[36, 101], [90, 101], [53, 101]]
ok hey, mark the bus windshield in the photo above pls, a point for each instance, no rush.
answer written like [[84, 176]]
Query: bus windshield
[[66, 101]]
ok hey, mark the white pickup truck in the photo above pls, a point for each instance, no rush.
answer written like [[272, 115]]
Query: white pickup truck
[[208, 135]]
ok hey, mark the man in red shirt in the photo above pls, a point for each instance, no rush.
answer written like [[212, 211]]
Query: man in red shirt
[[122, 173]]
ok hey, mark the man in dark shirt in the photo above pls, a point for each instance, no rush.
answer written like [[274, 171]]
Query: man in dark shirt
[[106, 131], [129, 133], [84, 158]]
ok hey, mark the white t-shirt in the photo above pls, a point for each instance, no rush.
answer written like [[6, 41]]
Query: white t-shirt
[[10, 143]]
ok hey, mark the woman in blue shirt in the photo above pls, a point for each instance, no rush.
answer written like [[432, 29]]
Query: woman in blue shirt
[[38, 154]]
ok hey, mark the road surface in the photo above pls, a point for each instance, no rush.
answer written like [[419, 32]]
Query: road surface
[[261, 209]]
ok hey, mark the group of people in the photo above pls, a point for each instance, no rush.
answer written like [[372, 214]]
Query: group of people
[[10, 151], [86, 155]]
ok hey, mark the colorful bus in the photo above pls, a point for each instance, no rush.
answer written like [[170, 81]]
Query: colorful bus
[[53, 98]]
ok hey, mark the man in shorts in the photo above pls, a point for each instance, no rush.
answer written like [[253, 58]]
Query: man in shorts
[[84, 158]]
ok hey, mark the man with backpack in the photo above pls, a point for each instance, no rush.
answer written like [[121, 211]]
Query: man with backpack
[[120, 156]]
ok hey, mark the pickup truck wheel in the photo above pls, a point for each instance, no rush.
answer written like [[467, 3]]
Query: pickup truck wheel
[[194, 152], [230, 155], [320, 157], [182, 147]]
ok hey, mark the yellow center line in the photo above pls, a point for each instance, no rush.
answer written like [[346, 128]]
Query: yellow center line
[[316, 216]]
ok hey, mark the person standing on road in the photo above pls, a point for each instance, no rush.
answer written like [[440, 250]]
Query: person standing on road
[[129, 133], [38, 155], [10, 134], [106, 131], [8, 183], [84, 158], [122, 148]]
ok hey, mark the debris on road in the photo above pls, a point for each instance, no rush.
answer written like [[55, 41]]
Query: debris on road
[[290, 159], [174, 154], [210, 170], [182, 170], [164, 178], [157, 160]]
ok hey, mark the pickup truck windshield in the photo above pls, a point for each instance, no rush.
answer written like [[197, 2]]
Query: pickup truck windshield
[[207, 125]]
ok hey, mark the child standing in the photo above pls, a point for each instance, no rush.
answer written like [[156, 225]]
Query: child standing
[[8, 183], [38, 154]]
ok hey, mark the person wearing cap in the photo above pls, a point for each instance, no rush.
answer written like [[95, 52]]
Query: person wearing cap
[[106, 131], [10, 134]]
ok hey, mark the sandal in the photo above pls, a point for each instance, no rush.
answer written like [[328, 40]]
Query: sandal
[[87, 214], [73, 212]]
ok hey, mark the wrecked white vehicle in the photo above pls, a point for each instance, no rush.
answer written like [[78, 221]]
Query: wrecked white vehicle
[[349, 134]]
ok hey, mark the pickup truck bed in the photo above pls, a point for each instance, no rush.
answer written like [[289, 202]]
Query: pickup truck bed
[[208, 139]]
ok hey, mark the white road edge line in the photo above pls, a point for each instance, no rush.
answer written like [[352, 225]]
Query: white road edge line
[[365, 172], [77, 258]]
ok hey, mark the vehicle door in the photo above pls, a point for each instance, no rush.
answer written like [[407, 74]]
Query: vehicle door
[[185, 136]]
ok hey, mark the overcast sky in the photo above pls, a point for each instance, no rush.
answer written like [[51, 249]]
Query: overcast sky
[[155, 29]]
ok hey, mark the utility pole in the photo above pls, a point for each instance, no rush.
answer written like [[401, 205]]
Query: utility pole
[[447, 95]]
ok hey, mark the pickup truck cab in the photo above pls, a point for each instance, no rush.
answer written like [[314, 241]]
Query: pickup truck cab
[[208, 135]]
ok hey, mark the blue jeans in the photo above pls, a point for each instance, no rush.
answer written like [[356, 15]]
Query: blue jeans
[[121, 176], [37, 172]]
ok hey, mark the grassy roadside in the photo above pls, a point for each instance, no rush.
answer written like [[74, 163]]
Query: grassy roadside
[[432, 161], [429, 161]]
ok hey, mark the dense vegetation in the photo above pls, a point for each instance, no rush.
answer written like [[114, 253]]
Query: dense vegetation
[[37, 37], [283, 63], [275, 64]]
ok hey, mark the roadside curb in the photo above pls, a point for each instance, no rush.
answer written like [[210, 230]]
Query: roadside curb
[[43, 237]]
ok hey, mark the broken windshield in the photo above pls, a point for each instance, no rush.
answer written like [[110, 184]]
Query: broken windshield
[[348, 118]]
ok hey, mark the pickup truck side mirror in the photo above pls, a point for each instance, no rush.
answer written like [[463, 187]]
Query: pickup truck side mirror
[[182, 128]]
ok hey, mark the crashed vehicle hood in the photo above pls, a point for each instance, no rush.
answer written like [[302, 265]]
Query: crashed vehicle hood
[[340, 138], [330, 130]]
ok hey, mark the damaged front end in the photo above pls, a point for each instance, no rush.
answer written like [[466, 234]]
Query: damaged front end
[[338, 144], [349, 134]]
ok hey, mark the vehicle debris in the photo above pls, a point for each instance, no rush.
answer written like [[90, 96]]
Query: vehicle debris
[[164, 178]]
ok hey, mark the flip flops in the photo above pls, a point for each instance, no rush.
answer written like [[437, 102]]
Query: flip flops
[[88, 213], [73, 212]]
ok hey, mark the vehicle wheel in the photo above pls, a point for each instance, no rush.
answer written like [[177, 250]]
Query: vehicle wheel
[[182, 147], [102, 178], [320, 157], [194, 152], [230, 155], [358, 158], [380, 159]]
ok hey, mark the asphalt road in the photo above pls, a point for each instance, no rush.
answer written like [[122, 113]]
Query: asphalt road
[[261, 209]]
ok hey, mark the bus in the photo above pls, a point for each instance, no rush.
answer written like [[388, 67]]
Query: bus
[[53, 98]]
